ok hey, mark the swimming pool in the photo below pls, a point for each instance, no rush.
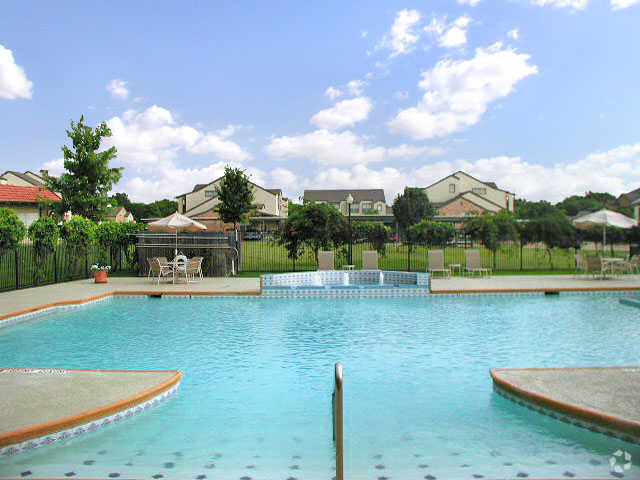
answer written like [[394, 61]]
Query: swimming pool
[[255, 399]]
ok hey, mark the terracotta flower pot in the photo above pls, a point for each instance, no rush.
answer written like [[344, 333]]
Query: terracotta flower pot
[[102, 276]]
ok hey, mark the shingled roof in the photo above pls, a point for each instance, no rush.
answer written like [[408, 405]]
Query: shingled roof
[[19, 194], [336, 196]]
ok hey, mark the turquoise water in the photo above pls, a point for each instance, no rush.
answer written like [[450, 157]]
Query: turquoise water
[[255, 400]]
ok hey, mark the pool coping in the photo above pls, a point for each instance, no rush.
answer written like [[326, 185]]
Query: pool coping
[[583, 417], [44, 431], [538, 290]]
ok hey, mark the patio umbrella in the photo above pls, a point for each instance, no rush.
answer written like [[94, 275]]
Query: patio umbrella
[[605, 218], [176, 223]]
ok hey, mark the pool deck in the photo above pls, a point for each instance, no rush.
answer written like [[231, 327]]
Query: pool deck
[[531, 283], [30, 299], [604, 399], [39, 404]]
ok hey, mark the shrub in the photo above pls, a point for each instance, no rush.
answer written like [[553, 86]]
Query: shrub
[[433, 234], [11, 230], [44, 233], [79, 233]]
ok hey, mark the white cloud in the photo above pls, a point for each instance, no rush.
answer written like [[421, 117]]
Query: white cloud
[[471, 3], [410, 151], [363, 34], [325, 147], [118, 88], [145, 139], [333, 92], [457, 93], [514, 34], [449, 35], [574, 4], [356, 87], [402, 36], [343, 114], [13, 81], [54, 167], [621, 4], [616, 171]]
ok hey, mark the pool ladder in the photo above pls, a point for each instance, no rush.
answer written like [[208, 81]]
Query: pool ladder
[[338, 435]]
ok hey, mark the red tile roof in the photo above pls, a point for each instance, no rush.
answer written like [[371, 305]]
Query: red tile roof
[[19, 194]]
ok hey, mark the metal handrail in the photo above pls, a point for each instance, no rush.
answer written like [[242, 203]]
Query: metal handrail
[[338, 435]]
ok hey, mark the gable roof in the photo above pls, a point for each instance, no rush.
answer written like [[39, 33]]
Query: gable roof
[[18, 194], [26, 178], [200, 186], [488, 184], [631, 196], [336, 196], [465, 195]]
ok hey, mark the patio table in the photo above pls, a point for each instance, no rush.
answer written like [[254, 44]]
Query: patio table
[[609, 264]]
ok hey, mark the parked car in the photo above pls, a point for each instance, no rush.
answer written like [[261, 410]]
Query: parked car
[[252, 235]]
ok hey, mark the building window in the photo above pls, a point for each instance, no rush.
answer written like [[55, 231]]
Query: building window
[[479, 191], [209, 193], [452, 188], [355, 208], [366, 206]]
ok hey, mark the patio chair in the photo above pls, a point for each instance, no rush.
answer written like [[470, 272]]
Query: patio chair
[[326, 260], [593, 266], [473, 263], [180, 267], [157, 270], [581, 265], [194, 268], [370, 260], [436, 263]]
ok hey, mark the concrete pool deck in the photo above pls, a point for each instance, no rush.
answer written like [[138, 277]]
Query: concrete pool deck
[[531, 283], [30, 299], [603, 399], [41, 406]]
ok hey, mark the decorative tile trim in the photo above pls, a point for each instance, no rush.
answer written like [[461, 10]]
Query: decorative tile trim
[[592, 420], [384, 292], [11, 319], [29, 438]]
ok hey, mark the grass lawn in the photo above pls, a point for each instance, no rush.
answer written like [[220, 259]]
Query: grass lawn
[[265, 256]]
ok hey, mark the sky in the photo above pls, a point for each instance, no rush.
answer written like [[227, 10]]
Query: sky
[[540, 96]]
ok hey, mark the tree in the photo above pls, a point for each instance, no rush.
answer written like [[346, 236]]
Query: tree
[[375, 233], [492, 230], [314, 225], [412, 206], [88, 179], [79, 234], [527, 209], [157, 209], [433, 234], [11, 230], [235, 195], [122, 200], [117, 238], [554, 230], [44, 234], [590, 201]]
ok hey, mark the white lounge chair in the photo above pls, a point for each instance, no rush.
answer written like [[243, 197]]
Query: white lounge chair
[[158, 270], [370, 260], [326, 260], [436, 263], [474, 263]]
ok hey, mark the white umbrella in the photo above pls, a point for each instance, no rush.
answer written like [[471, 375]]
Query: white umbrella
[[605, 218], [176, 223]]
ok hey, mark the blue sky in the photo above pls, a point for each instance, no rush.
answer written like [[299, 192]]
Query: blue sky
[[540, 96]]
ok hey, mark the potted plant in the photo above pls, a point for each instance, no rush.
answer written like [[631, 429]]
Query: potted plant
[[101, 273]]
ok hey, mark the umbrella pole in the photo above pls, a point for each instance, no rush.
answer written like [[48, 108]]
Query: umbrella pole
[[604, 239]]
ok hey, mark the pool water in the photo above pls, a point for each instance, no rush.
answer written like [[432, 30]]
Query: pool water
[[255, 399]]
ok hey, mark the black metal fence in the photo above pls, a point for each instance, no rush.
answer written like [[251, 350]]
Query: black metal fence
[[265, 255], [22, 268]]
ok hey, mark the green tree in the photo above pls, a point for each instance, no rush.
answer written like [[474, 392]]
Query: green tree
[[590, 201], [433, 234], [317, 226], [492, 230], [411, 207], [44, 234], [11, 230], [554, 230], [235, 195], [527, 209], [79, 234], [122, 200], [88, 179], [375, 233], [117, 239]]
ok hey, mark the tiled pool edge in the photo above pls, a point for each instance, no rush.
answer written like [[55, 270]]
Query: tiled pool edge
[[30, 438], [592, 420]]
